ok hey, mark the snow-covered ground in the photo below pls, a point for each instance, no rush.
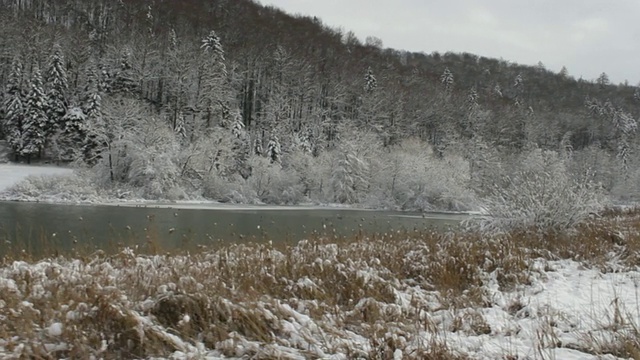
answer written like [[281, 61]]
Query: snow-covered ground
[[566, 311], [11, 174]]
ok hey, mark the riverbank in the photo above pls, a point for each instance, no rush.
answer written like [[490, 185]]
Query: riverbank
[[395, 296], [58, 185]]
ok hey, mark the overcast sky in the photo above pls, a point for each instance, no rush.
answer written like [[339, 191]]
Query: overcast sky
[[587, 36]]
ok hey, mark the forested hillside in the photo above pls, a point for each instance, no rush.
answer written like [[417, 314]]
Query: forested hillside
[[234, 101]]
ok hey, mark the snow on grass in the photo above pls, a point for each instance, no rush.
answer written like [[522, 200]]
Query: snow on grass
[[409, 296]]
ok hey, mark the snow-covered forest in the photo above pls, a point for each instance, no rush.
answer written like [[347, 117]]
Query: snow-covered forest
[[236, 102]]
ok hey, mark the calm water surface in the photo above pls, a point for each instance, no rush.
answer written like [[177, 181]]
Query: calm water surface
[[37, 226]]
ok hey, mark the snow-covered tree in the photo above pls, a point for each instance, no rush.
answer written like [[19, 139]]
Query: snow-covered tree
[[150, 21], [497, 90], [36, 123], [257, 146], [304, 141], [57, 86], [518, 86], [603, 80], [214, 96], [518, 82], [106, 143], [103, 78], [371, 110], [181, 127], [626, 127], [370, 82], [92, 98], [74, 124], [274, 152], [237, 128], [92, 109], [125, 80], [278, 113], [564, 73], [177, 84], [14, 108], [69, 141], [447, 79], [211, 45], [349, 178], [472, 99], [566, 148]]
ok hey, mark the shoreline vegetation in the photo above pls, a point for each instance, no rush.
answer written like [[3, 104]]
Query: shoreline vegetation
[[525, 294], [63, 186]]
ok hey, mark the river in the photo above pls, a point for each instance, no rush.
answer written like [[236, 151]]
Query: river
[[43, 228]]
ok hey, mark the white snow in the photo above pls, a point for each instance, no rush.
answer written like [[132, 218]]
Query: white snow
[[11, 174], [55, 329]]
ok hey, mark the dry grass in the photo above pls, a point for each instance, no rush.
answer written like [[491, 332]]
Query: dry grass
[[135, 304]]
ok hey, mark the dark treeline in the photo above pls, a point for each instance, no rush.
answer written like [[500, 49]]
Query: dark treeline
[[223, 95]]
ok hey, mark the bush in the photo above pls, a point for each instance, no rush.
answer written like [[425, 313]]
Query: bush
[[273, 184], [411, 177], [73, 187], [539, 193]]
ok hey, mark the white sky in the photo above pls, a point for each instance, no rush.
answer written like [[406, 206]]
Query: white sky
[[587, 36]]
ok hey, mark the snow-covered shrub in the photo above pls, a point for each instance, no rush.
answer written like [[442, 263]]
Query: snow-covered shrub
[[597, 161], [411, 177], [538, 192], [274, 184], [313, 172], [56, 188], [217, 188]]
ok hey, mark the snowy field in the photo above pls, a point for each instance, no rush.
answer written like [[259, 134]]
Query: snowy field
[[12, 174]]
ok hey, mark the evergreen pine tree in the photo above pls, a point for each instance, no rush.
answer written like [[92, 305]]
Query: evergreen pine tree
[[237, 129], [211, 45], [257, 146], [73, 134], [92, 99], [370, 82], [180, 129], [518, 85], [215, 94], [273, 150], [447, 79], [472, 99], [603, 80], [92, 108], [74, 124], [35, 123], [564, 73], [13, 107], [57, 85], [125, 81]]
